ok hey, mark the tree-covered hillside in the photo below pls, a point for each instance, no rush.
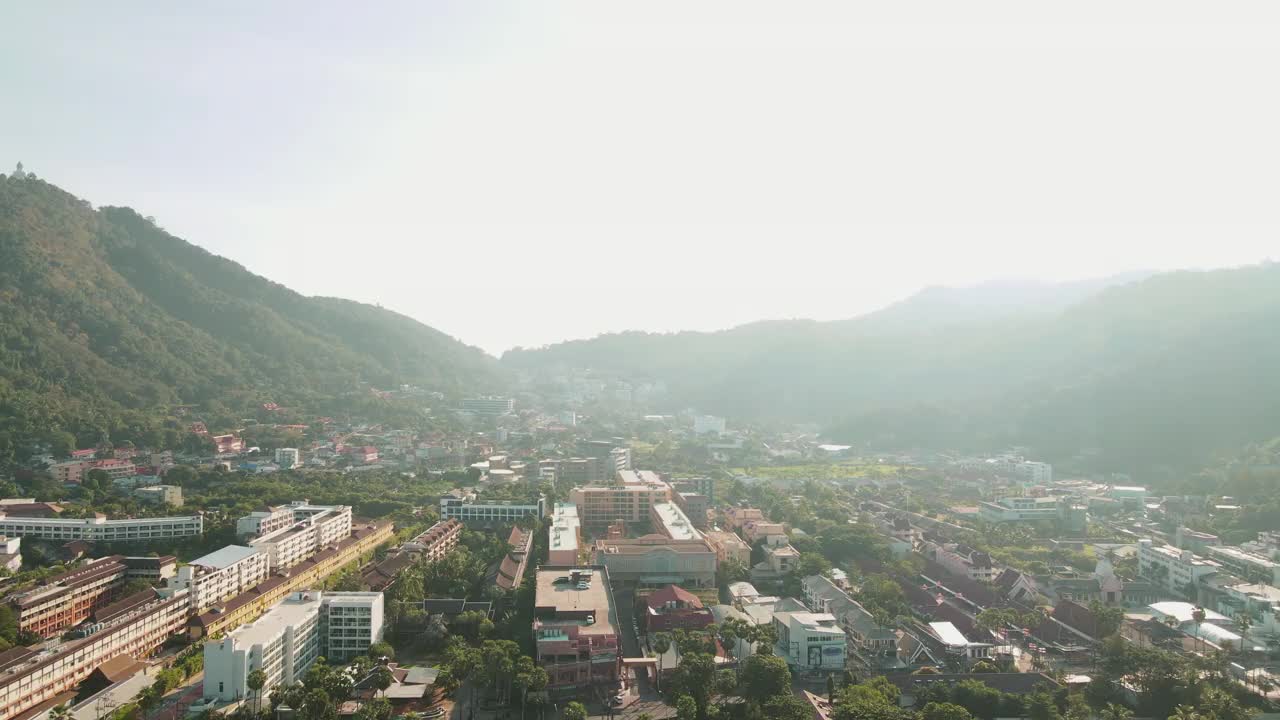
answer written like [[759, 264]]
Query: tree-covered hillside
[[1164, 371], [109, 322]]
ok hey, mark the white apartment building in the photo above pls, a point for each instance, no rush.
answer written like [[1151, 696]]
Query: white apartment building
[[350, 623], [288, 546], [314, 527], [267, 520], [221, 574], [463, 506], [670, 520], [1036, 473], [100, 529], [1252, 567], [810, 641], [286, 640], [564, 535], [1173, 568], [1020, 509], [288, 458], [331, 523], [283, 643]]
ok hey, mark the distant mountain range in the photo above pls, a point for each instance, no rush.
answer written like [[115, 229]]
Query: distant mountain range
[[1145, 370], [109, 322]]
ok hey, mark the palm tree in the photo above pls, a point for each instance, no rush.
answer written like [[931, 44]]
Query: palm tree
[[1198, 616], [661, 644], [729, 636], [1244, 621], [256, 681]]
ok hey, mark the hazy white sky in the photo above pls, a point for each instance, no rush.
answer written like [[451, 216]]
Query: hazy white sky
[[522, 173]]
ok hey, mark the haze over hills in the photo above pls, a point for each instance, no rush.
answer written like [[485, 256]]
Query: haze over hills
[[109, 322], [1166, 370]]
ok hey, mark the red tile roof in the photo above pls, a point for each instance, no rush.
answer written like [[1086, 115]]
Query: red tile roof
[[672, 593]]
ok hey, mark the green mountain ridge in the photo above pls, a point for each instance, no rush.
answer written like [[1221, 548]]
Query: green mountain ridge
[[1161, 373], [109, 322]]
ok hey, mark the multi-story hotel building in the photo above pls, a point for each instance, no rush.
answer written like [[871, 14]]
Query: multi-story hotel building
[[564, 535], [435, 542], [1251, 567], [571, 472], [76, 470], [286, 547], [286, 640], [668, 519], [70, 598], [264, 521], [695, 505], [333, 522], [313, 527], [575, 628], [656, 561], [464, 507], [100, 529], [30, 677], [251, 603], [629, 499], [220, 575], [1173, 568]]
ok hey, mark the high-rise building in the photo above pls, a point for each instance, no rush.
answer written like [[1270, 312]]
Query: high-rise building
[[575, 628], [564, 535], [467, 508], [286, 640], [220, 575], [629, 499]]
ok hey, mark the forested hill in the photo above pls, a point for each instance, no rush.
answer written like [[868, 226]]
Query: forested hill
[[1168, 370], [109, 322]]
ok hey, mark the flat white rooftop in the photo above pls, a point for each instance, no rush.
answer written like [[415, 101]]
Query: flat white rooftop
[[225, 557], [1241, 556], [675, 522], [814, 622], [293, 610], [352, 598], [1182, 611], [948, 634]]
